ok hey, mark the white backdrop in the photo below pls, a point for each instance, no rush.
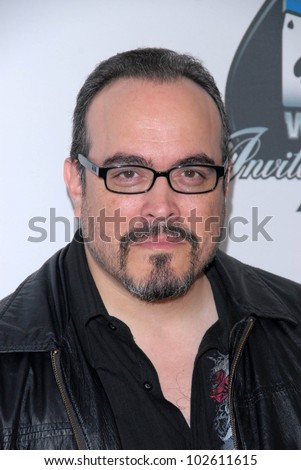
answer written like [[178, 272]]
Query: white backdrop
[[47, 49]]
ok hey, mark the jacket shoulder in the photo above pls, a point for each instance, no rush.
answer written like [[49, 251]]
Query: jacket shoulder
[[259, 289], [33, 313]]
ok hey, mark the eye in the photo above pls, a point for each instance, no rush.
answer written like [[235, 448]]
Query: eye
[[126, 174], [192, 174], [129, 176], [193, 178]]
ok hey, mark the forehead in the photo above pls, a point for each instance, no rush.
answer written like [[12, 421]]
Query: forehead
[[132, 115]]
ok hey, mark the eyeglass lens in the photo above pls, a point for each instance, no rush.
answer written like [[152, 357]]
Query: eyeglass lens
[[188, 179]]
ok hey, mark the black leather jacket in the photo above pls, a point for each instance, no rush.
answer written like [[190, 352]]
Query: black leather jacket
[[50, 397]]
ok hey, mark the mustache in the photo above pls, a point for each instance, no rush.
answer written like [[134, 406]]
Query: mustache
[[174, 232]]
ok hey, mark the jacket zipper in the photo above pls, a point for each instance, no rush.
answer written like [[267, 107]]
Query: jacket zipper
[[237, 356], [55, 358]]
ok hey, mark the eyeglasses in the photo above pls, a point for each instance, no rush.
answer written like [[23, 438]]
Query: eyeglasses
[[137, 179]]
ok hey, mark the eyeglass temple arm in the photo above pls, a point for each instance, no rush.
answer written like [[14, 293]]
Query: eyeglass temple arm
[[88, 165]]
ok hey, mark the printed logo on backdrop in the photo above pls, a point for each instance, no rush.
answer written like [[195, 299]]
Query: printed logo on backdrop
[[263, 95]]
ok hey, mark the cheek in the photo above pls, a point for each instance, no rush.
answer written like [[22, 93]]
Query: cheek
[[215, 218], [204, 214], [113, 213], [98, 198]]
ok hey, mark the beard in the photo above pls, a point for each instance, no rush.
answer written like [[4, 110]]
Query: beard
[[162, 282]]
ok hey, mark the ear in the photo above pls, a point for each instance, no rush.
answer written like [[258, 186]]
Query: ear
[[74, 185], [227, 179]]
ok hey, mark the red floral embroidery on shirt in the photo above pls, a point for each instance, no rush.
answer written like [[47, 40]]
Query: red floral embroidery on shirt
[[221, 385]]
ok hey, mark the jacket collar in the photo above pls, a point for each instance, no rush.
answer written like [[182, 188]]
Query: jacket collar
[[252, 291]]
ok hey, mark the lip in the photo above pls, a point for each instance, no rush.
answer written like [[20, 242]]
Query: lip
[[159, 243]]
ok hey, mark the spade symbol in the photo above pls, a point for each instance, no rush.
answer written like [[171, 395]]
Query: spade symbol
[[297, 68], [290, 25]]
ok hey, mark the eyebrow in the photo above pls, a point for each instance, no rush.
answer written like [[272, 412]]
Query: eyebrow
[[129, 159], [196, 159]]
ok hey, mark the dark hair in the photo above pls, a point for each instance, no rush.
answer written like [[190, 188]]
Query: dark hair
[[155, 64]]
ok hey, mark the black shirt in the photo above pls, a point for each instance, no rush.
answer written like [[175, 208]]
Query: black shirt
[[144, 418]]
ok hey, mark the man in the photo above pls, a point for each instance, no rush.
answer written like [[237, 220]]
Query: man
[[141, 334]]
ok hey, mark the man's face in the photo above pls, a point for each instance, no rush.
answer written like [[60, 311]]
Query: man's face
[[158, 125]]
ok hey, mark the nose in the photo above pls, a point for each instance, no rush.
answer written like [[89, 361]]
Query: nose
[[160, 201]]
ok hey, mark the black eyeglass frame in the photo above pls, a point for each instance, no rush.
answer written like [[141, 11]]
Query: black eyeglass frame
[[101, 172]]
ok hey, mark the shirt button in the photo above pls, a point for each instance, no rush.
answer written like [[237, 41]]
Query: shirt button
[[148, 386], [112, 326]]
